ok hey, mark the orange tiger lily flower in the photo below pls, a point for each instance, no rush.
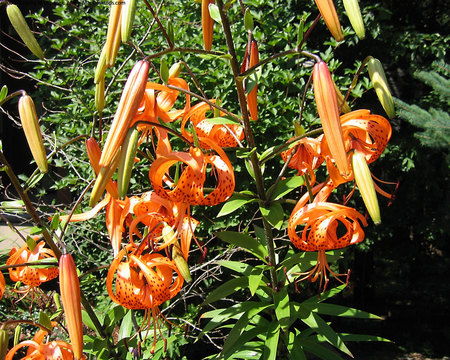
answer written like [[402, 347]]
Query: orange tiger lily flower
[[319, 233], [143, 282], [306, 157], [223, 136], [189, 188], [207, 24], [37, 350], [154, 211], [327, 107], [329, 14], [29, 275]]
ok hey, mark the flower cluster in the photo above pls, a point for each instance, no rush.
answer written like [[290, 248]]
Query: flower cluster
[[349, 143]]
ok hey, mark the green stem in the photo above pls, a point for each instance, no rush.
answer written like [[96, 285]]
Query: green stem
[[249, 136]]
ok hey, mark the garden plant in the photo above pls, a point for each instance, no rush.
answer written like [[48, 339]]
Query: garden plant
[[218, 165]]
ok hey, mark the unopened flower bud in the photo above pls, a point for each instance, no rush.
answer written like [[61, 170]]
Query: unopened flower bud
[[379, 82]]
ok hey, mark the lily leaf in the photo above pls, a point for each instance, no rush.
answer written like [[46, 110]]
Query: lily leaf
[[286, 186], [271, 344], [215, 13], [244, 241], [282, 309], [274, 214], [235, 202]]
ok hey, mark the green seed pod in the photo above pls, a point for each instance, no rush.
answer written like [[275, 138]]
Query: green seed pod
[[379, 82], [20, 25], [126, 162]]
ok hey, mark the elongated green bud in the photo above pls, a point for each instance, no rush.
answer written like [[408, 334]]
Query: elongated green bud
[[128, 12], [101, 66], [30, 124], [379, 82], [355, 17], [365, 185], [104, 176], [181, 263], [20, 25], [340, 99], [100, 95], [4, 340], [126, 162]]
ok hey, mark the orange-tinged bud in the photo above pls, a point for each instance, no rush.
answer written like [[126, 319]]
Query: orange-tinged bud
[[114, 29], [69, 285], [207, 24], [327, 107], [252, 96], [329, 14], [30, 124], [2, 285], [175, 70], [94, 154], [129, 102], [365, 184], [355, 17], [20, 25]]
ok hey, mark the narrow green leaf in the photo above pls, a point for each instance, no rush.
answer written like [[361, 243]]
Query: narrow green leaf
[[31, 243], [226, 289], [220, 316], [255, 279], [363, 337], [342, 311], [294, 348], [237, 266], [244, 241], [223, 120], [282, 309], [326, 295], [273, 214], [44, 320], [235, 202], [215, 13], [245, 337], [271, 344], [286, 186], [317, 349], [315, 322], [126, 326], [55, 222], [241, 324], [87, 320]]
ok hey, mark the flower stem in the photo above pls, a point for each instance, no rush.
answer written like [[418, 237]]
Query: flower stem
[[249, 136]]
